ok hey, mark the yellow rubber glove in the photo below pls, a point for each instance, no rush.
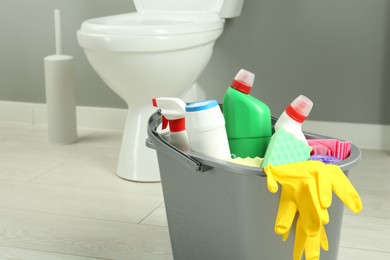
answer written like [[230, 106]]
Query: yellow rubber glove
[[307, 188], [307, 238], [330, 178], [303, 242], [309, 245], [284, 219], [299, 193], [286, 212], [309, 231]]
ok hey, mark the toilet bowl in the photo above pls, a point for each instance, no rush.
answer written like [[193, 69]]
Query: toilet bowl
[[159, 51]]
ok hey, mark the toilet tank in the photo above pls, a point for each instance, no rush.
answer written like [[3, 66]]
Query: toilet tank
[[225, 8], [231, 8]]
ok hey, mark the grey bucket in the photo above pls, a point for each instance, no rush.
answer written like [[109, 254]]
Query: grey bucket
[[221, 210]]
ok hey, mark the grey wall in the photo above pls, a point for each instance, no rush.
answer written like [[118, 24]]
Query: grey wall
[[27, 36], [336, 52]]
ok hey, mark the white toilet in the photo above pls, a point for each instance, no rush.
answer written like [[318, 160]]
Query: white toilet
[[160, 50]]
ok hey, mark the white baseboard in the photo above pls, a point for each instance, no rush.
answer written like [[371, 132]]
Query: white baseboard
[[16, 112], [87, 117], [367, 136]]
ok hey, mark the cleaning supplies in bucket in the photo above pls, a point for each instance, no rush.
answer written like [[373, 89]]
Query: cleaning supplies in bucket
[[248, 120], [206, 129], [173, 114], [306, 182]]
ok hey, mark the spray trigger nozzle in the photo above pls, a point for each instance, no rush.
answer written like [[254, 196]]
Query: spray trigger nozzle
[[172, 111]]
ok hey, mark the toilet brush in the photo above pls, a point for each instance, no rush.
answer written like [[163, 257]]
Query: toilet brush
[[60, 92]]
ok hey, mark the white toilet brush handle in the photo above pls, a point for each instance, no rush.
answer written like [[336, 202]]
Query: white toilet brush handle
[[57, 28]]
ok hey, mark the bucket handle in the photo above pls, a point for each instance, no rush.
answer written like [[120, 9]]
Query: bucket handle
[[156, 141]]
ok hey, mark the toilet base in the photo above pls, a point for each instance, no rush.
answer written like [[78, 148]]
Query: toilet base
[[137, 162]]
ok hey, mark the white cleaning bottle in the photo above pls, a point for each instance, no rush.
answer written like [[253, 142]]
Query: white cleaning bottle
[[173, 111], [206, 129], [294, 115]]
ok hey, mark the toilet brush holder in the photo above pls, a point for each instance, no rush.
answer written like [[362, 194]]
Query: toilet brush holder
[[60, 93]]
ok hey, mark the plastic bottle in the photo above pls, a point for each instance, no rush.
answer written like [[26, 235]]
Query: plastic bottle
[[206, 129], [173, 112], [294, 115], [248, 120]]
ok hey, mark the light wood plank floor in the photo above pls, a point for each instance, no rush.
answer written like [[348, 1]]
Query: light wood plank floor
[[65, 202]]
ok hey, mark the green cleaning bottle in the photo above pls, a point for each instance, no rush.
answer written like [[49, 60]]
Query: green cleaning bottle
[[248, 120]]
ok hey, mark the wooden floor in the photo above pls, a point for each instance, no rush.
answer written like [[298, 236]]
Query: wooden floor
[[65, 202]]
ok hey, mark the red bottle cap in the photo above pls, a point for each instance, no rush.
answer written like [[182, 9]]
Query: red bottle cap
[[243, 81], [300, 108]]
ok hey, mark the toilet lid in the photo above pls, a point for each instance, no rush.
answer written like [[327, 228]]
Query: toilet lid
[[153, 23], [178, 5]]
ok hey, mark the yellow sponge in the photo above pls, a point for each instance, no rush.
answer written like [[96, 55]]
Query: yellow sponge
[[254, 162], [285, 148]]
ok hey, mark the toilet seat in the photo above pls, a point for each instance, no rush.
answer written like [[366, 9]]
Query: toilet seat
[[163, 17], [172, 30], [153, 23]]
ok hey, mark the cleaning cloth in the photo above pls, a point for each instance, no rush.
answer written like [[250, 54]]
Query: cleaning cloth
[[332, 147], [307, 189], [325, 159]]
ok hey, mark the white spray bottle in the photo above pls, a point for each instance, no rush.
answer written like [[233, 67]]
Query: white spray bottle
[[173, 111]]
